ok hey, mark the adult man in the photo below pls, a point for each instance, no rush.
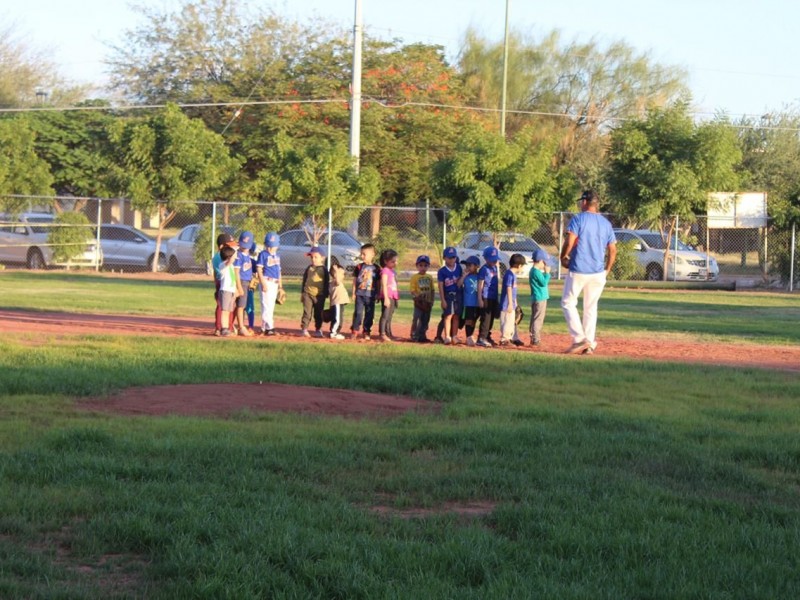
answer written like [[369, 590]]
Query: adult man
[[589, 236]]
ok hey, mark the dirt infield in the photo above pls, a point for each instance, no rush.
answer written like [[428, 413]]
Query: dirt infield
[[224, 399]]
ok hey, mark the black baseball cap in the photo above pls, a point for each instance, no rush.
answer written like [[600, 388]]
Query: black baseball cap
[[226, 239]]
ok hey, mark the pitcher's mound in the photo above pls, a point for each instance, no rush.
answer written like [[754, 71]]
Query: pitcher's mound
[[221, 399]]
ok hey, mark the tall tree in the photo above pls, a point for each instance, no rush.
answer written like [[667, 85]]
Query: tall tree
[[167, 162], [663, 166], [494, 185], [22, 171]]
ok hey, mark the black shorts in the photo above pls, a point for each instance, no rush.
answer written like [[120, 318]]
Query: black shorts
[[471, 313]]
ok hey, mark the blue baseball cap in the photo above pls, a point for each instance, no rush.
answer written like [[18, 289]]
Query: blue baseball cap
[[472, 260], [490, 254], [314, 250], [272, 240], [245, 239], [540, 255], [450, 252], [423, 258]]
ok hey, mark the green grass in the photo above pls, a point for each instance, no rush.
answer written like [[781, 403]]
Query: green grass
[[606, 478]]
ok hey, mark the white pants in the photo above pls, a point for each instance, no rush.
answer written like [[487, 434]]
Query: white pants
[[268, 297], [508, 326], [592, 287]]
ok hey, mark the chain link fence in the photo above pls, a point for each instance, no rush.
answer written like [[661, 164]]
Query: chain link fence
[[40, 232]]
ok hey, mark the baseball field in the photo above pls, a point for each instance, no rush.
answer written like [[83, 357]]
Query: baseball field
[[141, 457]]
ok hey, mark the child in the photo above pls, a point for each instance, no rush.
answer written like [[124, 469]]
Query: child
[[250, 307], [488, 296], [339, 297], [422, 293], [449, 277], [244, 274], [223, 239], [471, 309], [366, 281], [228, 286], [539, 279], [268, 269], [389, 294], [315, 290], [508, 302]]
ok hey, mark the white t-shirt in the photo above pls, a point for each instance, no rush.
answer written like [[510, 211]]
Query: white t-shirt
[[227, 278]]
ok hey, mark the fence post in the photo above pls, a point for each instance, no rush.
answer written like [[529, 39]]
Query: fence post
[[792, 257], [213, 227], [98, 247], [330, 235], [444, 229], [675, 258], [428, 220], [708, 258], [560, 241]]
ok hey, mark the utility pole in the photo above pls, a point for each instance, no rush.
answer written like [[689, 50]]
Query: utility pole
[[355, 88], [505, 79]]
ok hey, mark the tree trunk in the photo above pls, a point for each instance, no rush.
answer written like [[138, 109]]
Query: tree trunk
[[667, 244], [163, 221], [374, 221]]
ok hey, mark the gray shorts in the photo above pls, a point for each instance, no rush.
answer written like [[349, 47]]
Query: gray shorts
[[226, 301]]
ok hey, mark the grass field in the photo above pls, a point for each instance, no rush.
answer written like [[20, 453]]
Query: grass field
[[599, 479]]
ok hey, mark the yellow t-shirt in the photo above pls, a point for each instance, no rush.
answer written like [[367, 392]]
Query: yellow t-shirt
[[422, 285]]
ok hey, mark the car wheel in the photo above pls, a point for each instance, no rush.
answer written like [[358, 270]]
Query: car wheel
[[655, 273], [174, 267], [162, 263], [35, 259]]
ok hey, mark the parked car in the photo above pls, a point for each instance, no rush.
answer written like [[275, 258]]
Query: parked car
[[508, 243], [345, 250], [685, 265], [24, 239], [125, 246], [180, 249]]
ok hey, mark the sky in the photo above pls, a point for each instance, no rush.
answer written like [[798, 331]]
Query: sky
[[737, 52]]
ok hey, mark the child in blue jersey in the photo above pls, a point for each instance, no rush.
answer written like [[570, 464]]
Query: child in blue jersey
[[268, 270], [470, 287], [539, 279], [243, 266], [250, 307], [509, 307], [488, 296], [366, 284], [449, 277]]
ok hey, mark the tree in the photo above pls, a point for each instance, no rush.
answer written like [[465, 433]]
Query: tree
[[22, 172], [494, 185], [663, 167], [26, 72], [319, 176], [167, 162]]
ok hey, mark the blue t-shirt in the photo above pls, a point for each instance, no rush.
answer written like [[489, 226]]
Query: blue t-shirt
[[244, 263], [367, 280], [270, 263], [489, 276], [509, 280], [450, 278], [471, 290], [594, 235]]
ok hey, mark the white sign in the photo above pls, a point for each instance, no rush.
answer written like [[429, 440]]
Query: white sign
[[740, 210]]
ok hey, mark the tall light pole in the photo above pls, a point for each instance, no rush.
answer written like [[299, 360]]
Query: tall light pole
[[505, 79], [355, 88]]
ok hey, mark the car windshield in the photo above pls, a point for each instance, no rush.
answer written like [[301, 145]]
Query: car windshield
[[655, 241], [340, 238], [518, 244]]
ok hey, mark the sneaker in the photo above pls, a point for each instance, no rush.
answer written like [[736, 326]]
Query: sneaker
[[225, 333], [578, 347], [354, 335], [438, 340], [318, 333], [483, 343], [245, 332], [337, 336], [305, 333], [589, 350], [424, 341], [505, 342], [270, 332], [536, 342], [518, 343], [217, 333], [367, 335], [456, 340], [386, 338], [447, 341], [470, 341]]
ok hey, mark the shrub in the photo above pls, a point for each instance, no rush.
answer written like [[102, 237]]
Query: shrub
[[69, 236], [627, 264]]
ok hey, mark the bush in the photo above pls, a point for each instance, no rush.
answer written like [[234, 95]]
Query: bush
[[69, 236], [390, 238], [627, 264]]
